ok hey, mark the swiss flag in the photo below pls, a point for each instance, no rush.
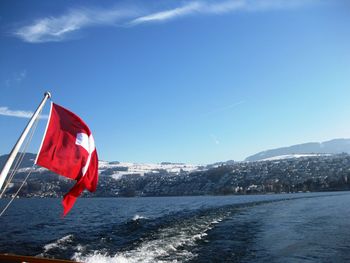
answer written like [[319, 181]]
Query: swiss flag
[[68, 149]]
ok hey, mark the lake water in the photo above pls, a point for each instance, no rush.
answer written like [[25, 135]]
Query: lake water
[[310, 227]]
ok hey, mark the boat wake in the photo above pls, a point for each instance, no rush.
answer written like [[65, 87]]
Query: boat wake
[[171, 238], [169, 243]]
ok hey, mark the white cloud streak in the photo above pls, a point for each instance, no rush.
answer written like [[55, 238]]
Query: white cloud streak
[[5, 111], [169, 14], [225, 108], [60, 28], [219, 7], [51, 29]]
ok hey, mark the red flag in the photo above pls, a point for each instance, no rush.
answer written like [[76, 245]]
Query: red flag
[[68, 149]]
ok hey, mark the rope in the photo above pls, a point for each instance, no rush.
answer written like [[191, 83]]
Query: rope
[[19, 189], [21, 156], [16, 166], [19, 161]]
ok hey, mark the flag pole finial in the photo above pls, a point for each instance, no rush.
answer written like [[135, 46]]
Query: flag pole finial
[[48, 94]]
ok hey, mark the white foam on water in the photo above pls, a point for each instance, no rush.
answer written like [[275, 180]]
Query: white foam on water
[[59, 243], [168, 245], [137, 217], [216, 221], [102, 258], [79, 250]]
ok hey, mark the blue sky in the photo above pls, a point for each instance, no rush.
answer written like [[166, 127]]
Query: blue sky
[[183, 81]]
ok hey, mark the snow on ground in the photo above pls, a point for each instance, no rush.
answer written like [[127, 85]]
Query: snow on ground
[[36, 169], [142, 168]]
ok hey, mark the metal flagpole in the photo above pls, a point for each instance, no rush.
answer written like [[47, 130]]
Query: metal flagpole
[[18, 144]]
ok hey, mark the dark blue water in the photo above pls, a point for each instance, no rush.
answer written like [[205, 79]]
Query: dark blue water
[[312, 227]]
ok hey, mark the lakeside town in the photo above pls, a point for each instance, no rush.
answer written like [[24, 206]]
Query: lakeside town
[[309, 173]]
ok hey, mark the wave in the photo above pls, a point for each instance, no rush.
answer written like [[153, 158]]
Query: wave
[[64, 246], [138, 217], [60, 243]]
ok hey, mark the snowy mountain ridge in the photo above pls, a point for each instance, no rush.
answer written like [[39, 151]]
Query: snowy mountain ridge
[[335, 146], [293, 156]]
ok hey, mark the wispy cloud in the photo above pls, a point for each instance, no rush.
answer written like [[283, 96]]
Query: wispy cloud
[[50, 29], [5, 111], [225, 108], [169, 14], [198, 7], [215, 139], [60, 28], [219, 7], [16, 78], [21, 75]]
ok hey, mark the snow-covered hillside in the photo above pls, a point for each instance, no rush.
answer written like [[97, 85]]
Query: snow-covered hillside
[[114, 169], [117, 169]]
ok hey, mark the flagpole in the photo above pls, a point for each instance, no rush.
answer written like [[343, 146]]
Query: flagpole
[[20, 140]]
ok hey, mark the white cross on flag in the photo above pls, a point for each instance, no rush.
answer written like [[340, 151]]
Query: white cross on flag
[[68, 149]]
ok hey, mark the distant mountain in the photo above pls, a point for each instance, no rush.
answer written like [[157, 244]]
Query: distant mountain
[[331, 147], [28, 160]]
